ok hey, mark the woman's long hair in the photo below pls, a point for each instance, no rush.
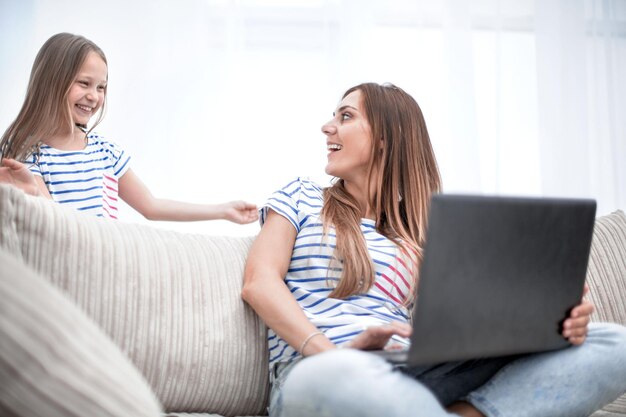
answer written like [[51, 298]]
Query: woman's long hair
[[46, 111], [405, 175]]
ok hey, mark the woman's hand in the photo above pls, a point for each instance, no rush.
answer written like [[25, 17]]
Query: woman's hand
[[17, 174], [575, 326], [376, 337]]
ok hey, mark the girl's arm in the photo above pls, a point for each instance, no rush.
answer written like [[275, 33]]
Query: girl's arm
[[134, 192], [17, 174], [265, 290]]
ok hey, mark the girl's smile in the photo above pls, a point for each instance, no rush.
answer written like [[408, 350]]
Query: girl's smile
[[85, 110], [86, 95]]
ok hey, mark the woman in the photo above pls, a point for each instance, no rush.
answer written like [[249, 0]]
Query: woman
[[337, 267]]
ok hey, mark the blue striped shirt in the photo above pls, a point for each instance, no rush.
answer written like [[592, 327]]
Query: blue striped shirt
[[311, 276], [85, 180]]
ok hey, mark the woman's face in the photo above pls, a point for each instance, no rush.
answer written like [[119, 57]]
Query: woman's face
[[87, 91], [348, 140]]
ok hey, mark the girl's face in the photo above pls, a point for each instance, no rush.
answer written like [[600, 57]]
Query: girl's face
[[348, 140], [87, 91]]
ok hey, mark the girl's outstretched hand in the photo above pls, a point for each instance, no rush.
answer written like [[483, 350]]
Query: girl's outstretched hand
[[575, 326], [376, 337], [17, 174], [240, 212]]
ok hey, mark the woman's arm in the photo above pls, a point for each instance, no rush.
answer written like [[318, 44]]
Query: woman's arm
[[17, 174], [265, 290], [134, 192]]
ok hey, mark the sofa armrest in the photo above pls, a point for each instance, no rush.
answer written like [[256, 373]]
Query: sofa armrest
[[171, 301], [55, 361]]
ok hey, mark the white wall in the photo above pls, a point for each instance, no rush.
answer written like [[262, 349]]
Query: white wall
[[220, 100]]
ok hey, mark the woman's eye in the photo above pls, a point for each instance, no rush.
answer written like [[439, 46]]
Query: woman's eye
[[345, 116]]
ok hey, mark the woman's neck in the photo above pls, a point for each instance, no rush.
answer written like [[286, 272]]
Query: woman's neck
[[361, 194], [74, 140]]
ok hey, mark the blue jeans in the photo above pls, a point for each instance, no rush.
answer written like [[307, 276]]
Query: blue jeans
[[571, 382]]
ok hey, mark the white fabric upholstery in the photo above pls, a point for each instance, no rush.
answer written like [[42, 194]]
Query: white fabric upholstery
[[606, 273], [55, 361], [606, 277], [170, 300]]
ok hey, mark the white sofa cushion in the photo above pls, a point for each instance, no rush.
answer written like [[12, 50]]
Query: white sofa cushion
[[54, 361], [606, 276], [170, 300], [606, 273]]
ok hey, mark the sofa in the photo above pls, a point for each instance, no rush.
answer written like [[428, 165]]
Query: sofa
[[105, 318]]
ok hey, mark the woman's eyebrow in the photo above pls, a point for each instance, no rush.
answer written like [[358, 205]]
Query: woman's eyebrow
[[342, 108]]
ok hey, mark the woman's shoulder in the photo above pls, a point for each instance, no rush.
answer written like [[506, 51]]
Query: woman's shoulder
[[297, 193], [300, 199], [302, 187]]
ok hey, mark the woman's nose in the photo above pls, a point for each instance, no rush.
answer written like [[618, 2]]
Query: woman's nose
[[329, 129]]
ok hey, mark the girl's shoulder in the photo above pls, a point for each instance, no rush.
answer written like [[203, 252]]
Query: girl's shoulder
[[97, 141], [97, 144]]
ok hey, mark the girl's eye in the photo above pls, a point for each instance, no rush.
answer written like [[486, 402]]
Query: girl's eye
[[83, 83], [101, 87]]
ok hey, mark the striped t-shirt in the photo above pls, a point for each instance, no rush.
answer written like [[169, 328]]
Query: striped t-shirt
[[85, 180], [311, 278]]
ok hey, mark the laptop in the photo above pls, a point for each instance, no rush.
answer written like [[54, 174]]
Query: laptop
[[499, 276]]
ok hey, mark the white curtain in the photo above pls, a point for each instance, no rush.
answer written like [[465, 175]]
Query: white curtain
[[581, 62], [220, 100]]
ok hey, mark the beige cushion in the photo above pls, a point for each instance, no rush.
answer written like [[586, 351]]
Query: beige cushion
[[606, 276], [170, 300], [54, 361]]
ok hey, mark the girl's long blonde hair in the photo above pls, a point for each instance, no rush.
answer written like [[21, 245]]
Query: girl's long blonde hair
[[405, 175], [46, 111]]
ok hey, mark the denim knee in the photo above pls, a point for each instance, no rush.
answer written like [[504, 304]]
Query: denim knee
[[608, 341], [609, 336], [574, 381], [348, 382], [325, 384], [339, 366]]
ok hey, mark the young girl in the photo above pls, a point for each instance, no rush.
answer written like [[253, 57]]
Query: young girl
[[337, 267], [65, 160]]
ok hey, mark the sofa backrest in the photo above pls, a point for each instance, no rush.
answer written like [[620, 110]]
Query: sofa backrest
[[606, 277], [606, 273], [170, 301]]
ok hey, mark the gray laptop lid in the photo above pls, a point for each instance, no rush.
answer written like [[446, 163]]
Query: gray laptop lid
[[499, 275]]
